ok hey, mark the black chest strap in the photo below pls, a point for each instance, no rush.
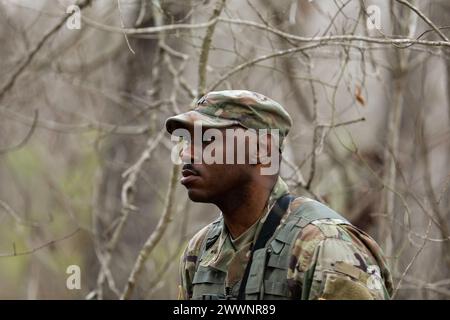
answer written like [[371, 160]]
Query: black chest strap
[[272, 221]]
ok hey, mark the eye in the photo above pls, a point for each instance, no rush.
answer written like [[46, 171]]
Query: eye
[[208, 140]]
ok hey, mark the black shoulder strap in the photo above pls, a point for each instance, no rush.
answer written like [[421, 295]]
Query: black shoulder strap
[[213, 233], [268, 228]]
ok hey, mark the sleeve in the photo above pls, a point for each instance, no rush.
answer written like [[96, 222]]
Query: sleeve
[[332, 264], [185, 284], [188, 263]]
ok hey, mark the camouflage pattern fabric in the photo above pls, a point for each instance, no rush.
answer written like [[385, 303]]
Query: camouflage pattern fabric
[[219, 109], [328, 260]]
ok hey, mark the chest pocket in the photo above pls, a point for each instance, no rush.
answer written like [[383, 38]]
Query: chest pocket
[[207, 281], [275, 282]]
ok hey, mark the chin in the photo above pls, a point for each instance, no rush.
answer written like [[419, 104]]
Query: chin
[[198, 196]]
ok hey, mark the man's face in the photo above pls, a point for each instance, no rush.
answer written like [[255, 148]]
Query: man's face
[[208, 182]]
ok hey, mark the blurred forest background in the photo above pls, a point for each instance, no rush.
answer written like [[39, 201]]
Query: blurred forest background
[[85, 171]]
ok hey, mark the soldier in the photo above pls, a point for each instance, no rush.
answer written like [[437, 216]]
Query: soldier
[[266, 243]]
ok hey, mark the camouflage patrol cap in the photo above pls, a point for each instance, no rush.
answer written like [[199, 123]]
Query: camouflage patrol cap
[[221, 109]]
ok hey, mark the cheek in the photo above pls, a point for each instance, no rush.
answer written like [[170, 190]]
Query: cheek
[[218, 176], [215, 173], [232, 176]]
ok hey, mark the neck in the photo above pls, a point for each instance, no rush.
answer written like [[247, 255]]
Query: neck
[[243, 206]]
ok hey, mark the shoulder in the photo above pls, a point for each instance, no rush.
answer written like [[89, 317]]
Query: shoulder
[[188, 260], [327, 240], [328, 247], [195, 243], [313, 237], [321, 222], [324, 242]]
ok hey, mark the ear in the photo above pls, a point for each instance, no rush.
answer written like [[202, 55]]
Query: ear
[[265, 150], [269, 156]]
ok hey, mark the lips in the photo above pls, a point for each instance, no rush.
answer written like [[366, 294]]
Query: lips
[[189, 174]]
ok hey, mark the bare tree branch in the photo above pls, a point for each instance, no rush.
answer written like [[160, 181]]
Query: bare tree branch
[[154, 238], [203, 60], [33, 250], [10, 83], [424, 18], [27, 136]]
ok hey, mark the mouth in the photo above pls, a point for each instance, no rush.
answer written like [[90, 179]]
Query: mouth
[[189, 174]]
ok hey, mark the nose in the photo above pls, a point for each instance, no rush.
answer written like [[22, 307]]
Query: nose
[[187, 152]]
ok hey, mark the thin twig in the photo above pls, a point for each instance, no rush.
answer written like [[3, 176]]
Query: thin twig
[[123, 27], [155, 236], [206, 45], [49, 243], [411, 262], [330, 38], [424, 18], [10, 83], [324, 39], [27, 136], [259, 59]]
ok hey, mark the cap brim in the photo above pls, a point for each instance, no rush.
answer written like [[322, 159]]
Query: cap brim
[[187, 119]]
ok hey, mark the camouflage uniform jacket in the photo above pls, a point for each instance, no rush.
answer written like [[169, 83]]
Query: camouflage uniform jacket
[[328, 259]]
